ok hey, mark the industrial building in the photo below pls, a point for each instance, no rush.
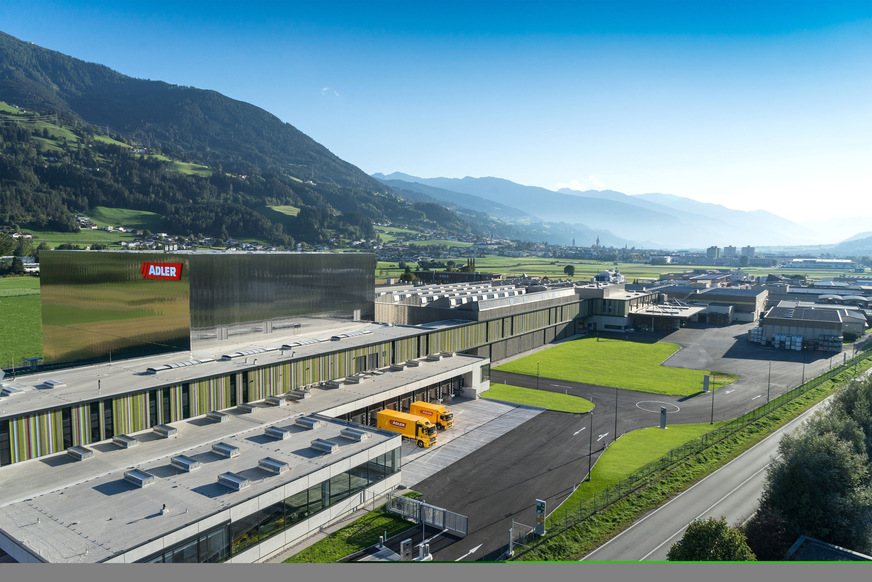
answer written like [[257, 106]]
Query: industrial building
[[808, 325]]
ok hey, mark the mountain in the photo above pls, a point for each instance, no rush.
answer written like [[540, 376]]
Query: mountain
[[648, 220], [235, 140], [499, 220]]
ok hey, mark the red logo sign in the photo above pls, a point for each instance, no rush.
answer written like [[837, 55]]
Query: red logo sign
[[427, 412], [398, 423], [165, 271]]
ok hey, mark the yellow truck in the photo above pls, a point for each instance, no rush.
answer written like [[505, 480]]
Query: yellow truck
[[437, 413], [410, 426]]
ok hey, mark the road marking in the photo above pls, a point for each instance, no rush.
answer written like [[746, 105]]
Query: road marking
[[469, 553], [602, 436], [729, 391], [758, 396], [560, 386], [777, 433], [579, 430], [710, 507]]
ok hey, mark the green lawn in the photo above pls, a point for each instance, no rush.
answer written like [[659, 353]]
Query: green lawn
[[358, 535], [10, 286], [21, 320], [609, 362], [543, 398]]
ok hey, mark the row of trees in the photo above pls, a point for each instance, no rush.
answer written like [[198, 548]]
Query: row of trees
[[819, 486]]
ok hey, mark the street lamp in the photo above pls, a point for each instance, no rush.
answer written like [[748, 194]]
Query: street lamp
[[769, 382], [590, 443], [713, 404], [537, 375], [616, 415]]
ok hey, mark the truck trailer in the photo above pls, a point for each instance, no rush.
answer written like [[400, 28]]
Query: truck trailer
[[410, 426], [436, 413]]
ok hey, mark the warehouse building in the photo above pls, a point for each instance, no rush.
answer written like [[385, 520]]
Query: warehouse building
[[813, 326]]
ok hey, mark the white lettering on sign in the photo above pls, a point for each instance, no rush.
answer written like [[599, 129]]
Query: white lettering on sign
[[398, 423]]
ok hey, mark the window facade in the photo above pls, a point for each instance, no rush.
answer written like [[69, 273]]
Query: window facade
[[231, 539]]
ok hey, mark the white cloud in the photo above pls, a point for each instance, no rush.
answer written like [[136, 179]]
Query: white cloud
[[327, 92], [589, 183]]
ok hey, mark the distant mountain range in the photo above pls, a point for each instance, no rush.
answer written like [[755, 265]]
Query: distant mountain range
[[646, 220]]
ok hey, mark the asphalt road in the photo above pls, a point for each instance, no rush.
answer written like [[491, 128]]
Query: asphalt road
[[732, 491], [547, 456]]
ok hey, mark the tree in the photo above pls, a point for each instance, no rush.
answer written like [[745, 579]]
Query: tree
[[767, 536], [711, 540], [744, 261], [820, 487], [569, 270], [17, 266]]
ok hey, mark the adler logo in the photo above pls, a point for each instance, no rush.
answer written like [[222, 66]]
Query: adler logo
[[398, 423], [426, 412], [165, 271]]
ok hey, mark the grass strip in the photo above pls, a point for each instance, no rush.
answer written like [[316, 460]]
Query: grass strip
[[573, 541], [543, 398], [354, 537], [623, 364]]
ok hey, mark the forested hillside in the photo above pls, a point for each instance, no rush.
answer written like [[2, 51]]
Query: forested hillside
[[86, 135]]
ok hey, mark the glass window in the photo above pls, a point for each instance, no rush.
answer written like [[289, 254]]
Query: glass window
[[358, 478], [186, 554], [315, 502], [297, 507], [243, 533], [272, 520], [214, 546], [339, 488]]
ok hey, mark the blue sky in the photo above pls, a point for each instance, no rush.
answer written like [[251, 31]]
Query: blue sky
[[753, 105]]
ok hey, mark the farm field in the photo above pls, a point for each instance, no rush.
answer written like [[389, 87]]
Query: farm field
[[618, 363], [20, 320], [543, 398], [139, 219]]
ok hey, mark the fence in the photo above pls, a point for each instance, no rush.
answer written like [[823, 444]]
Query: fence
[[647, 474], [429, 514]]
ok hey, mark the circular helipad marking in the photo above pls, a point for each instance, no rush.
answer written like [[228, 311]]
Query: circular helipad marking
[[657, 404]]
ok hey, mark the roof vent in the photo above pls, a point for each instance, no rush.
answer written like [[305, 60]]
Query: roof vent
[[307, 422], [139, 477], [225, 450], [273, 466], [54, 384], [184, 463], [323, 446], [233, 481]]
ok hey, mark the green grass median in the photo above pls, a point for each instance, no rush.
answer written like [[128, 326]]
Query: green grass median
[[543, 398], [610, 362]]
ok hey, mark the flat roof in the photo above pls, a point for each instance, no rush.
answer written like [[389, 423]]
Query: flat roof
[[87, 383], [68, 511], [43, 499]]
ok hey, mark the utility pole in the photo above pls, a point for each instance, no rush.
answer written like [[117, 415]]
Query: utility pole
[[537, 375], [769, 382]]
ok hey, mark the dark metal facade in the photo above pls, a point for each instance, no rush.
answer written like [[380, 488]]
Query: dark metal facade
[[97, 305], [238, 295]]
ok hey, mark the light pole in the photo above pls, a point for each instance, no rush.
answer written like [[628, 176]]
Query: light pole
[[769, 382], [713, 404], [615, 436], [537, 375], [590, 442]]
